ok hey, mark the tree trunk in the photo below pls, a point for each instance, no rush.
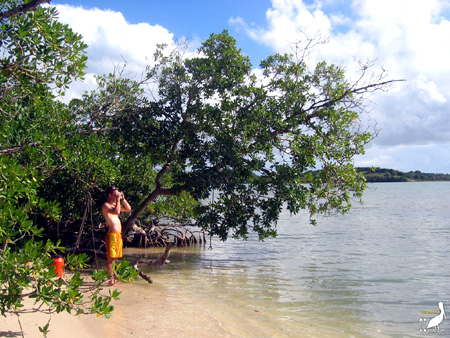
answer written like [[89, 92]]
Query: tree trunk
[[135, 214], [159, 190]]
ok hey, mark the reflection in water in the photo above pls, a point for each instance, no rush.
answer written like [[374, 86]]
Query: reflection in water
[[364, 274]]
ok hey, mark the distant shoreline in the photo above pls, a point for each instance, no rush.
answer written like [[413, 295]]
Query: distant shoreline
[[382, 175], [376, 174]]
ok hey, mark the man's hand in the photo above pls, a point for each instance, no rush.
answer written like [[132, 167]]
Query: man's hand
[[119, 195]]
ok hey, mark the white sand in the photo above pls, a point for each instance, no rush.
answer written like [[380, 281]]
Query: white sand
[[142, 311], [158, 310]]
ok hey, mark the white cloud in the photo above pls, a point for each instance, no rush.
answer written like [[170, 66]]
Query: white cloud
[[112, 41], [429, 91], [287, 20], [408, 38]]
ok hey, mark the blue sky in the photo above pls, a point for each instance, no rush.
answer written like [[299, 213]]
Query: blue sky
[[408, 38], [193, 19], [194, 16]]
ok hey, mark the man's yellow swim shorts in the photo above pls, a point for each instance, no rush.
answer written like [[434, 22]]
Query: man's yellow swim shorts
[[114, 244]]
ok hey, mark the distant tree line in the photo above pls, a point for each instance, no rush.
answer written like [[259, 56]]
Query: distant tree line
[[374, 174]]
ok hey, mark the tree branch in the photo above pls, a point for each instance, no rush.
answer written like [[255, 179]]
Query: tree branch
[[31, 6], [361, 90], [16, 149]]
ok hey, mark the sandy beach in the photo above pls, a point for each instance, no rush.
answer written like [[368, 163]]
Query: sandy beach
[[178, 303], [152, 310], [142, 311]]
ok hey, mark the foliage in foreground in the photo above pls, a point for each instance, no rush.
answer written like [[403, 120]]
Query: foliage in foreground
[[39, 58]]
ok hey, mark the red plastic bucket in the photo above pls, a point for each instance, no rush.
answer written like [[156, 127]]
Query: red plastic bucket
[[59, 265]]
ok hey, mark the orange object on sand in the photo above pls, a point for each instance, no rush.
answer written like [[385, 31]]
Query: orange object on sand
[[59, 265]]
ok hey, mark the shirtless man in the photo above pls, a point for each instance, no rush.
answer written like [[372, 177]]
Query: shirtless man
[[111, 209]]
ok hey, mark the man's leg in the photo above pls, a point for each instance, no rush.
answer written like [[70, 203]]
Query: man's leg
[[109, 267]]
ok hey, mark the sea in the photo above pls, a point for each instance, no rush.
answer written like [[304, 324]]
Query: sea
[[378, 271]]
